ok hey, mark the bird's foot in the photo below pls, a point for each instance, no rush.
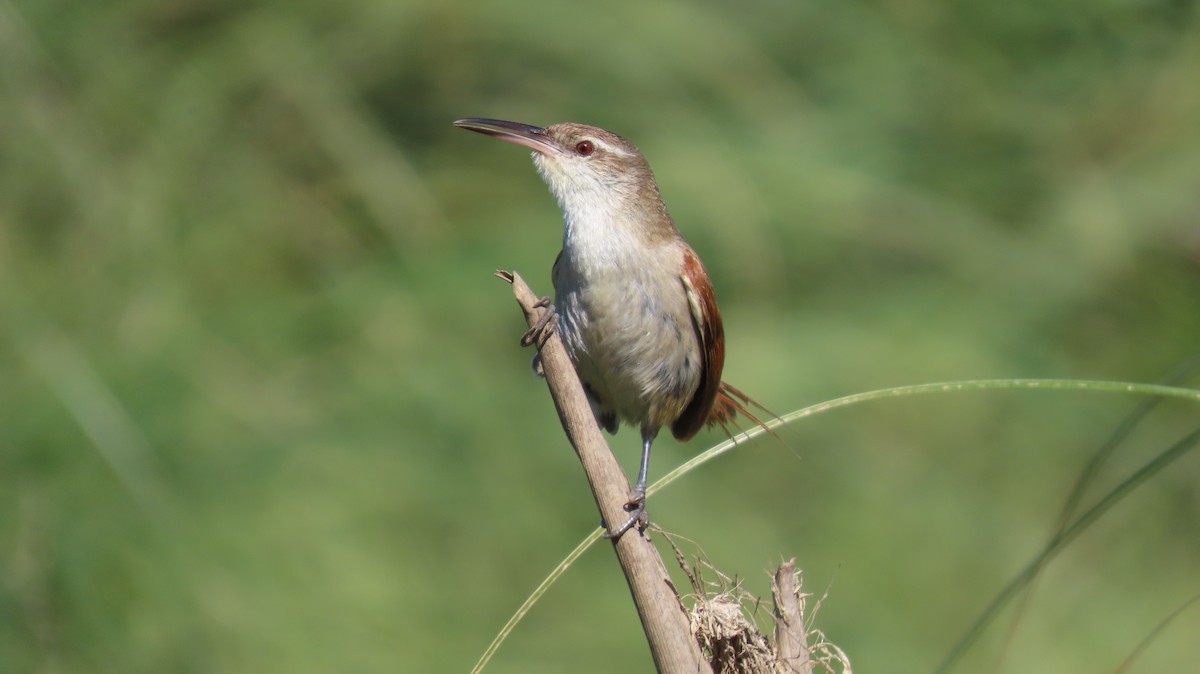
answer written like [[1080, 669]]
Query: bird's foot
[[543, 327], [636, 507]]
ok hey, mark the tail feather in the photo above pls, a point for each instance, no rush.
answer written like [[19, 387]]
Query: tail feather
[[729, 404]]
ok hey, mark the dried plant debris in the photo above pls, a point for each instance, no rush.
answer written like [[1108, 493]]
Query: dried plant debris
[[731, 640], [723, 616]]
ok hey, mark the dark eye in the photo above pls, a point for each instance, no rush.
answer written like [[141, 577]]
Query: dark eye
[[584, 147]]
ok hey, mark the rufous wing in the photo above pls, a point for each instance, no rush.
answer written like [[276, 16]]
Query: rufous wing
[[715, 402], [710, 333]]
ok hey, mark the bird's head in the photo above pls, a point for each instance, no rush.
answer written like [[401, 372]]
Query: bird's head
[[586, 167]]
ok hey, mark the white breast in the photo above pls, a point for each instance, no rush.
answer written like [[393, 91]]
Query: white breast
[[625, 320]]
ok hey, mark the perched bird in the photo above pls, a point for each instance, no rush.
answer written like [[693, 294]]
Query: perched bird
[[636, 309]]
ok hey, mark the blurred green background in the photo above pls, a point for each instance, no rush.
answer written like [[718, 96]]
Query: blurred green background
[[263, 404]]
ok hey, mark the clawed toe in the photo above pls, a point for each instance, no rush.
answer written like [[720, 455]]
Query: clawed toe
[[544, 327], [636, 507]]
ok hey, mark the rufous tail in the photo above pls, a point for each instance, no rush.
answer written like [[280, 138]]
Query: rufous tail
[[729, 404]]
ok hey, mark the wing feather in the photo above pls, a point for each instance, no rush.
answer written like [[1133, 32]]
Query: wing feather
[[710, 334]]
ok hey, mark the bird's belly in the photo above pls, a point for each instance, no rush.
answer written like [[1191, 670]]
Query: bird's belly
[[634, 346]]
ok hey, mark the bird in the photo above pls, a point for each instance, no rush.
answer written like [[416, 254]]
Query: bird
[[633, 303]]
